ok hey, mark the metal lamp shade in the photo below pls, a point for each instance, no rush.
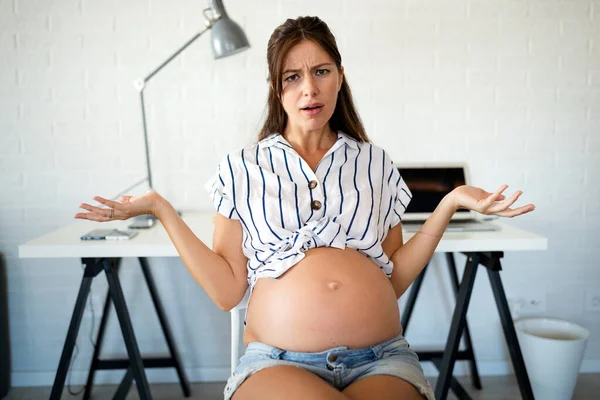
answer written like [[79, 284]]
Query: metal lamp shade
[[227, 38]]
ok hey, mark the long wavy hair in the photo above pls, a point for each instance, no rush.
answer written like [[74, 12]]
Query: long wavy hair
[[345, 118]]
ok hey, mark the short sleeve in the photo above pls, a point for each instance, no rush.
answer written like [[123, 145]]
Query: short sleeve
[[220, 188], [401, 195]]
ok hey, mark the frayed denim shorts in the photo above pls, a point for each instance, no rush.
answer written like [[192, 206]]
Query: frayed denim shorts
[[338, 366]]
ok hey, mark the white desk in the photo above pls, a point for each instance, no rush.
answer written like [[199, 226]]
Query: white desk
[[485, 248], [154, 242], [105, 255]]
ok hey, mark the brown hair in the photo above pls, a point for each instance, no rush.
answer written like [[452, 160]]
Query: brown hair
[[345, 118]]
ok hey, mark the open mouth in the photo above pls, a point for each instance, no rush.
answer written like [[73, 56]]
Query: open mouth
[[312, 109]]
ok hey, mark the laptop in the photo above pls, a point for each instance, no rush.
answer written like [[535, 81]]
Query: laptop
[[429, 183]]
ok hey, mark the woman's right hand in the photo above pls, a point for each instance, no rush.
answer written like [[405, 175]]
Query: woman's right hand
[[127, 207]]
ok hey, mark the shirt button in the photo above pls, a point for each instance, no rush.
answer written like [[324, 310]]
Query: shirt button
[[315, 205], [312, 184]]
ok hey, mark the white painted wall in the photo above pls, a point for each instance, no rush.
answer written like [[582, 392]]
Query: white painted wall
[[511, 87]]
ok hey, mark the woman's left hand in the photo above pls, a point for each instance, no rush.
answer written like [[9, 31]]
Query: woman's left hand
[[476, 199]]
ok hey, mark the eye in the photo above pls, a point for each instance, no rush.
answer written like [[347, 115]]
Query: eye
[[288, 79], [324, 72]]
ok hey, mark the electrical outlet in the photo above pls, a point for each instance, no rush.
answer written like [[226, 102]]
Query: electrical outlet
[[592, 301], [534, 305], [527, 305]]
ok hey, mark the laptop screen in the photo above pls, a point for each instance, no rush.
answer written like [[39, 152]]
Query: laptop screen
[[429, 185]]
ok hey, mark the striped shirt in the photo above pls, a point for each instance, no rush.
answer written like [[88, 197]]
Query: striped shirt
[[352, 199]]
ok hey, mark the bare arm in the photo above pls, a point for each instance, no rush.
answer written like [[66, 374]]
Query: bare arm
[[410, 259], [221, 271], [393, 241]]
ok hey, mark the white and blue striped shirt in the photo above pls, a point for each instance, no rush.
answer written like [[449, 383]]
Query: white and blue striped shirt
[[352, 199]]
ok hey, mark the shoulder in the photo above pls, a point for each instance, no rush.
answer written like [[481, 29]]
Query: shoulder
[[376, 149], [254, 148], [235, 157], [238, 160], [230, 159], [378, 153]]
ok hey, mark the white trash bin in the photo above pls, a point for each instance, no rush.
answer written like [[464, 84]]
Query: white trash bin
[[552, 350]]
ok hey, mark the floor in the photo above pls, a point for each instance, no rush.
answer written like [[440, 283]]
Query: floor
[[494, 388]]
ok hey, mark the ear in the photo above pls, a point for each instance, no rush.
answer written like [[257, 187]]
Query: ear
[[341, 78]]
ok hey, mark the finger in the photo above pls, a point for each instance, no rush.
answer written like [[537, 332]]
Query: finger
[[106, 202], [510, 213], [497, 207], [90, 216], [497, 194], [517, 211], [101, 212], [492, 198], [94, 209]]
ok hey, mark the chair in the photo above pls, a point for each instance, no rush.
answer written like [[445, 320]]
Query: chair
[[235, 336], [236, 329]]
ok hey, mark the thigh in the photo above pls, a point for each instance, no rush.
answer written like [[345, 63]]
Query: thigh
[[286, 383], [381, 387]]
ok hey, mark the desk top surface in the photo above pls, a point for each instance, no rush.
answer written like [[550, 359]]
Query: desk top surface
[[155, 242]]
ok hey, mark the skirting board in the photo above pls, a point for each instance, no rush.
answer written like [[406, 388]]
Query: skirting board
[[168, 375]]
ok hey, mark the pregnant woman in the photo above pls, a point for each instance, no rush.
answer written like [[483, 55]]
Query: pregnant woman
[[309, 225]]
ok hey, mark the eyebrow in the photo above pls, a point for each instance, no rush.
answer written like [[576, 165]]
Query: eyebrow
[[296, 70]]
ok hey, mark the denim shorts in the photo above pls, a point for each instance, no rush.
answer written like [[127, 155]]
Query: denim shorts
[[338, 366]]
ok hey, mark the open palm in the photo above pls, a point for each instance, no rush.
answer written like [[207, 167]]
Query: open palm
[[127, 207], [476, 199]]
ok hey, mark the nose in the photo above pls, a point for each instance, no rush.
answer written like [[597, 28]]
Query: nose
[[310, 87]]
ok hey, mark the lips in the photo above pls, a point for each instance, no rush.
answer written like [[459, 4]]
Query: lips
[[312, 106], [312, 111]]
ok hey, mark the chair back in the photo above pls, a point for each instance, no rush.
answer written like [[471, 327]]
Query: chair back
[[236, 313]]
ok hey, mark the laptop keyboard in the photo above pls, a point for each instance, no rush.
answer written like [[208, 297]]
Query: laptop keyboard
[[454, 226], [452, 222]]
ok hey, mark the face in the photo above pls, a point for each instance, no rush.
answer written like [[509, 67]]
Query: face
[[310, 79]]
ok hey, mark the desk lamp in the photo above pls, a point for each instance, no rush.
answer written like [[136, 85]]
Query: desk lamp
[[227, 38]]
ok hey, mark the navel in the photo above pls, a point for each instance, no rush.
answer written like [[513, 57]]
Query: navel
[[334, 285]]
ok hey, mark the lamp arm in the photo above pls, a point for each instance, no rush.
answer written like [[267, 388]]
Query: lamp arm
[[140, 85], [148, 169]]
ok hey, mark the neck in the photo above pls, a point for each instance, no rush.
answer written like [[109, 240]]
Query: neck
[[310, 141]]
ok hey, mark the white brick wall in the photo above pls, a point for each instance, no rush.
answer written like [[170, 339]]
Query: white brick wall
[[511, 87]]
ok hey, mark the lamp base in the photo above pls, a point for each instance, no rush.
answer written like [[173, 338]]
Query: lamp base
[[145, 221], [142, 222]]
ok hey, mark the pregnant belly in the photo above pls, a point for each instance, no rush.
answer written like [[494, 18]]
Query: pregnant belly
[[331, 298]]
